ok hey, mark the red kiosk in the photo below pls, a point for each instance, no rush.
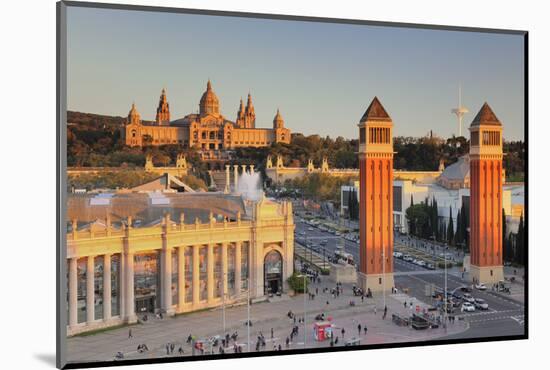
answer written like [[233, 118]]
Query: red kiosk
[[322, 330]]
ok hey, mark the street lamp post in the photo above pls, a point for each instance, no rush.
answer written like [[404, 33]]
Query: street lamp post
[[223, 300], [305, 302], [248, 316], [445, 294]]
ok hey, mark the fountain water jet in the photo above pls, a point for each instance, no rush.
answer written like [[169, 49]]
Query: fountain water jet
[[249, 186]]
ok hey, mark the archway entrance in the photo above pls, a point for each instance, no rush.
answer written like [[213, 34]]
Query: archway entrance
[[273, 273]]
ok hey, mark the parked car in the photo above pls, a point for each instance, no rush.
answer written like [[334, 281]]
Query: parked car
[[467, 307], [465, 288], [430, 266], [468, 298], [481, 304], [407, 258], [421, 263], [481, 286]]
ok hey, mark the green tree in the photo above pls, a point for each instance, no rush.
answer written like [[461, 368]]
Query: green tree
[[418, 218], [450, 228], [520, 242], [298, 283]]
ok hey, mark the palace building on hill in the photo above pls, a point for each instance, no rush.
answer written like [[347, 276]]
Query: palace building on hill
[[207, 130]]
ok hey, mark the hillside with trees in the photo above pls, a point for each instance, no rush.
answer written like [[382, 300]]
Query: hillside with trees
[[94, 140]]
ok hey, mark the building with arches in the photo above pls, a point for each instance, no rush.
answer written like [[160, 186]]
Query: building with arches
[[207, 130], [166, 252]]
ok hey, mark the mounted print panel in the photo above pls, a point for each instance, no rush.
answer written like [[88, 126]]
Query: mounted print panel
[[237, 184]]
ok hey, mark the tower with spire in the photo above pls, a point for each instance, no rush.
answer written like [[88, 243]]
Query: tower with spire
[[131, 131], [163, 110], [282, 134], [376, 199], [486, 181], [278, 121], [134, 117], [249, 114], [239, 122]]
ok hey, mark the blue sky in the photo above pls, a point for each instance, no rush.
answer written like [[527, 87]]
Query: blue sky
[[322, 76]]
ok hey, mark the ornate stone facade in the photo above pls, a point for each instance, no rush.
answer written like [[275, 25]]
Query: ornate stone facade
[[207, 130], [130, 254]]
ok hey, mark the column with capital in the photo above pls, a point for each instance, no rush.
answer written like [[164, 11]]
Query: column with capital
[[235, 177], [166, 255], [196, 275], [224, 270], [90, 291], [73, 292], [210, 273], [238, 257], [106, 287], [130, 300], [227, 179], [181, 278]]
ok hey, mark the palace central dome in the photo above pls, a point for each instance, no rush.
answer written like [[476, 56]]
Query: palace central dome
[[210, 103]]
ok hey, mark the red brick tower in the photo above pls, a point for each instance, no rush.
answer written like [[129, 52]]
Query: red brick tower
[[486, 197], [376, 199]]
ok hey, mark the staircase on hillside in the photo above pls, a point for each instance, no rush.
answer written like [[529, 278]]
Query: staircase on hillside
[[218, 180]]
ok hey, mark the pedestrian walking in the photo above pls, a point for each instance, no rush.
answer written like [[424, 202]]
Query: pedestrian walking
[[271, 333], [365, 329], [343, 333], [375, 310], [130, 333], [359, 329]]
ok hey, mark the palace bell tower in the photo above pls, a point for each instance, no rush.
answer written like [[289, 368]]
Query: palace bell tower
[[376, 199], [163, 110], [486, 197]]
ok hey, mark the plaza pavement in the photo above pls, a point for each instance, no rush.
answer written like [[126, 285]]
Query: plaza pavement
[[156, 333]]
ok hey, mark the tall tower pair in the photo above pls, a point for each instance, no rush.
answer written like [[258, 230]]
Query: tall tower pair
[[376, 198]]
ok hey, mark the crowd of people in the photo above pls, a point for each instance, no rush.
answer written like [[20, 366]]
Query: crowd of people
[[330, 292]]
